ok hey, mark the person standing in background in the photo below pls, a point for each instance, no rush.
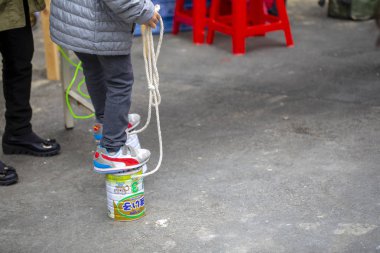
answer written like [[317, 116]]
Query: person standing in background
[[17, 48]]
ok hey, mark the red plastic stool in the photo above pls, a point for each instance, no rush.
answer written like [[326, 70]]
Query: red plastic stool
[[247, 20], [195, 17]]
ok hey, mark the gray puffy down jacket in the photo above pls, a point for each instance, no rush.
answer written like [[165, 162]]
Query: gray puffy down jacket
[[102, 27]]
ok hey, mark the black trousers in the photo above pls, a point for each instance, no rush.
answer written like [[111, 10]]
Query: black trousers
[[17, 48]]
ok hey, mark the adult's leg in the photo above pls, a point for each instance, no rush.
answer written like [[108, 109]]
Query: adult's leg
[[16, 47], [95, 82], [118, 74]]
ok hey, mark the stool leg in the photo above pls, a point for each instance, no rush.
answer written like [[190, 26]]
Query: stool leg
[[282, 13], [239, 20], [215, 7], [257, 14], [178, 8], [199, 23], [176, 26]]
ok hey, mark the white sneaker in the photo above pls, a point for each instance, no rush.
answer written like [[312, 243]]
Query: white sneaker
[[126, 159], [133, 119]]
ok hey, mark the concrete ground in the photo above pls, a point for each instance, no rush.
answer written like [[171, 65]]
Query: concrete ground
[[276, 151]]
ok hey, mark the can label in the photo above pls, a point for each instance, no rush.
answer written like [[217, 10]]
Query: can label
[[130, 208], [125, 196], [124, 188]]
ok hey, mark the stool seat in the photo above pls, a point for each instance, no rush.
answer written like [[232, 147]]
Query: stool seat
[[247, 19]]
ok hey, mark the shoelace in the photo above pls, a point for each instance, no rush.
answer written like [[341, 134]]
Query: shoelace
[[126, 150]]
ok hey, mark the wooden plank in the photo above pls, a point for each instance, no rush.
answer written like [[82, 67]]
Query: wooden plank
[[51, 50], [82, 102], [65, 80]]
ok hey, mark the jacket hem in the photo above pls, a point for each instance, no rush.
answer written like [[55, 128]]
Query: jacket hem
[[91, 51]]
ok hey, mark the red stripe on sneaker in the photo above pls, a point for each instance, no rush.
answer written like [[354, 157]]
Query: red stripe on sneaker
[[129, 125], [126, 161]]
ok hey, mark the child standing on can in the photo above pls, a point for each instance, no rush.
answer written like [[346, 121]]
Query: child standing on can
[[100, 32]]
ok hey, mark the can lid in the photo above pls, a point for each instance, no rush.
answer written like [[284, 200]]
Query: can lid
[[123, 176]]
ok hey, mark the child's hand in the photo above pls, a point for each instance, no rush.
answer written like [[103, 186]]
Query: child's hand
[[154, 20]]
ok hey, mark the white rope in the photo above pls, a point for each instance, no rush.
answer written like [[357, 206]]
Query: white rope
[[153, 79]]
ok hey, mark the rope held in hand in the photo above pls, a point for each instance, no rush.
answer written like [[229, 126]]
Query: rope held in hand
[[150, 58]]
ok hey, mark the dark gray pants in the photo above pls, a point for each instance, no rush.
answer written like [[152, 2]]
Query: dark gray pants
[[109, 81]]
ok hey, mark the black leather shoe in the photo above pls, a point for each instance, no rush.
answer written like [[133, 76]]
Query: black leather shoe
[[30, 145], [8, 175]]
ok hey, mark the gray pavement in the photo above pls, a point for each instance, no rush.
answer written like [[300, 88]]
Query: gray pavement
[[276, 151]]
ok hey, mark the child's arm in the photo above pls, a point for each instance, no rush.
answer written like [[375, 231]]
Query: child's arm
[[132, 11]]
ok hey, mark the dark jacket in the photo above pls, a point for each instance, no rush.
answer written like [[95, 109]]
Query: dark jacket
[[12, 13]]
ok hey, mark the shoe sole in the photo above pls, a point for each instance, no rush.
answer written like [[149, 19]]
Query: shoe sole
[[118, 170], [16, 150], [10, 182]]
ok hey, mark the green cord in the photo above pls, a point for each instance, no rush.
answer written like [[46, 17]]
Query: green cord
[[75, 116], [80, 90], [67, 58], [78, 67]]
